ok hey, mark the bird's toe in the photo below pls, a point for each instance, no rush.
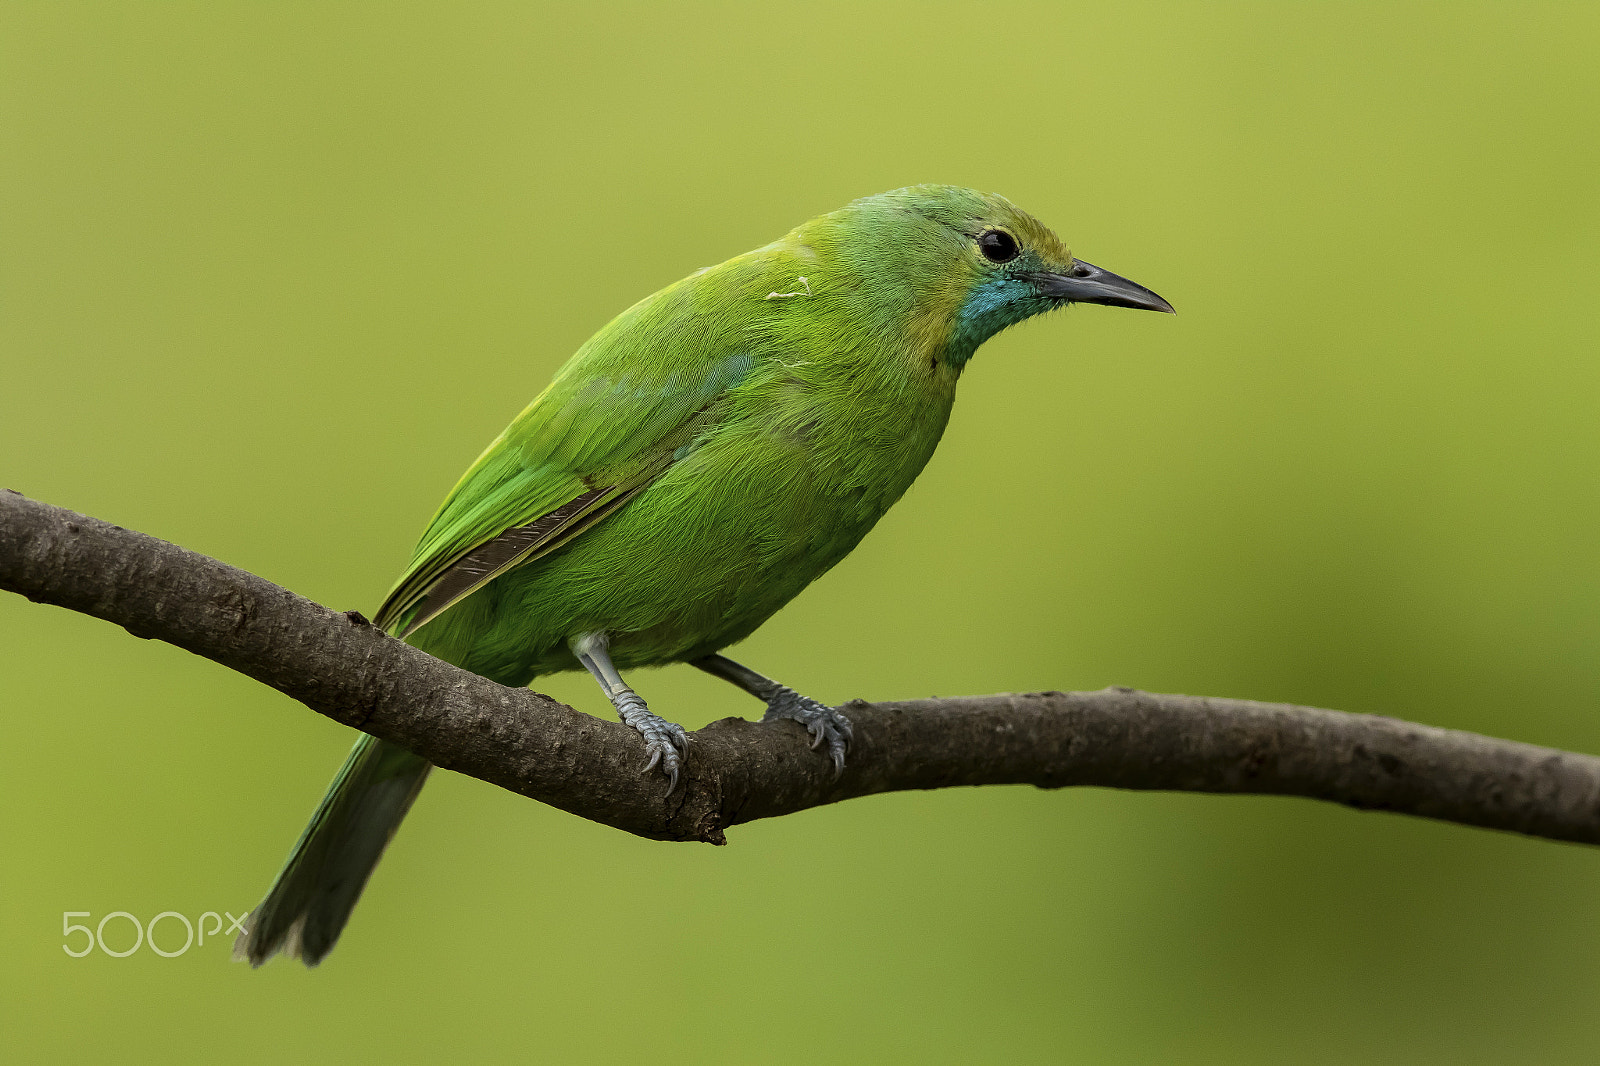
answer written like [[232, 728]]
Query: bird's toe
[[827, 726]]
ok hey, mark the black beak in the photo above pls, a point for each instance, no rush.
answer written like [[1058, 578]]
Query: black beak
[[1088, 284]]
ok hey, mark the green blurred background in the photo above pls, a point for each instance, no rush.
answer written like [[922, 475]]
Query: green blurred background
[[272, 275]]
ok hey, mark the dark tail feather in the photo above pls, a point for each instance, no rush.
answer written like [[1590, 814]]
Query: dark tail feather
[[307, 906]]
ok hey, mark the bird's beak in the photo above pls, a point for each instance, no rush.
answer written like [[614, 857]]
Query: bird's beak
[[1088, 284]]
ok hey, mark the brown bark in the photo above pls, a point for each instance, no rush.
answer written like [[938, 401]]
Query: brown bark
[[342, 667]]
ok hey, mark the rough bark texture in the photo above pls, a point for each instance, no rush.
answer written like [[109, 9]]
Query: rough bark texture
[[341, 666]]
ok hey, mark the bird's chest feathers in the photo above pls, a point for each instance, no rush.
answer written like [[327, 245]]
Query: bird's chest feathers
[[848, 394], [848, 435]]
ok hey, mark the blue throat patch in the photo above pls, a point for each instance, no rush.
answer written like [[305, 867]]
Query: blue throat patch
[[1003, 300]]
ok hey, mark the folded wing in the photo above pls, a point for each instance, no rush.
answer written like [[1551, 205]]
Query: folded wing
[[603, 431]]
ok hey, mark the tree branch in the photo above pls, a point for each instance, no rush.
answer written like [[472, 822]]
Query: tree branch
[[342, 667]]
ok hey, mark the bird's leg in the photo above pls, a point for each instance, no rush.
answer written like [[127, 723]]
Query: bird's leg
[[827, 725], [665, 742]]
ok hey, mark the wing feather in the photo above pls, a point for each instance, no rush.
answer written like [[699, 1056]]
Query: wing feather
[[425, 601], [606, 428]]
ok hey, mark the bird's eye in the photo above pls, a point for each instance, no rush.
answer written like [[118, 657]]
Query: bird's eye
[[998, 246]]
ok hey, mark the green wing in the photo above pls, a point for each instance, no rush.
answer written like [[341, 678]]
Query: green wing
[[607, 426]]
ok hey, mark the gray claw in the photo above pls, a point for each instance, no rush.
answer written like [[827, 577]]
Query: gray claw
[[664, 753], [826, 725], [665, 742]]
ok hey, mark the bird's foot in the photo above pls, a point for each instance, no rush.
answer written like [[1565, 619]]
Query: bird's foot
[[826, 725], [665, 742]]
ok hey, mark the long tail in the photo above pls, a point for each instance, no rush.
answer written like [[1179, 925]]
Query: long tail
[[308, 904]]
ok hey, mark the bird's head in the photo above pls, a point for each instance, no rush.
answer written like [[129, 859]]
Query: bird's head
[[968, 264]]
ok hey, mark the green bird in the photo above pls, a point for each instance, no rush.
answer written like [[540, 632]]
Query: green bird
[[709, 453]]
